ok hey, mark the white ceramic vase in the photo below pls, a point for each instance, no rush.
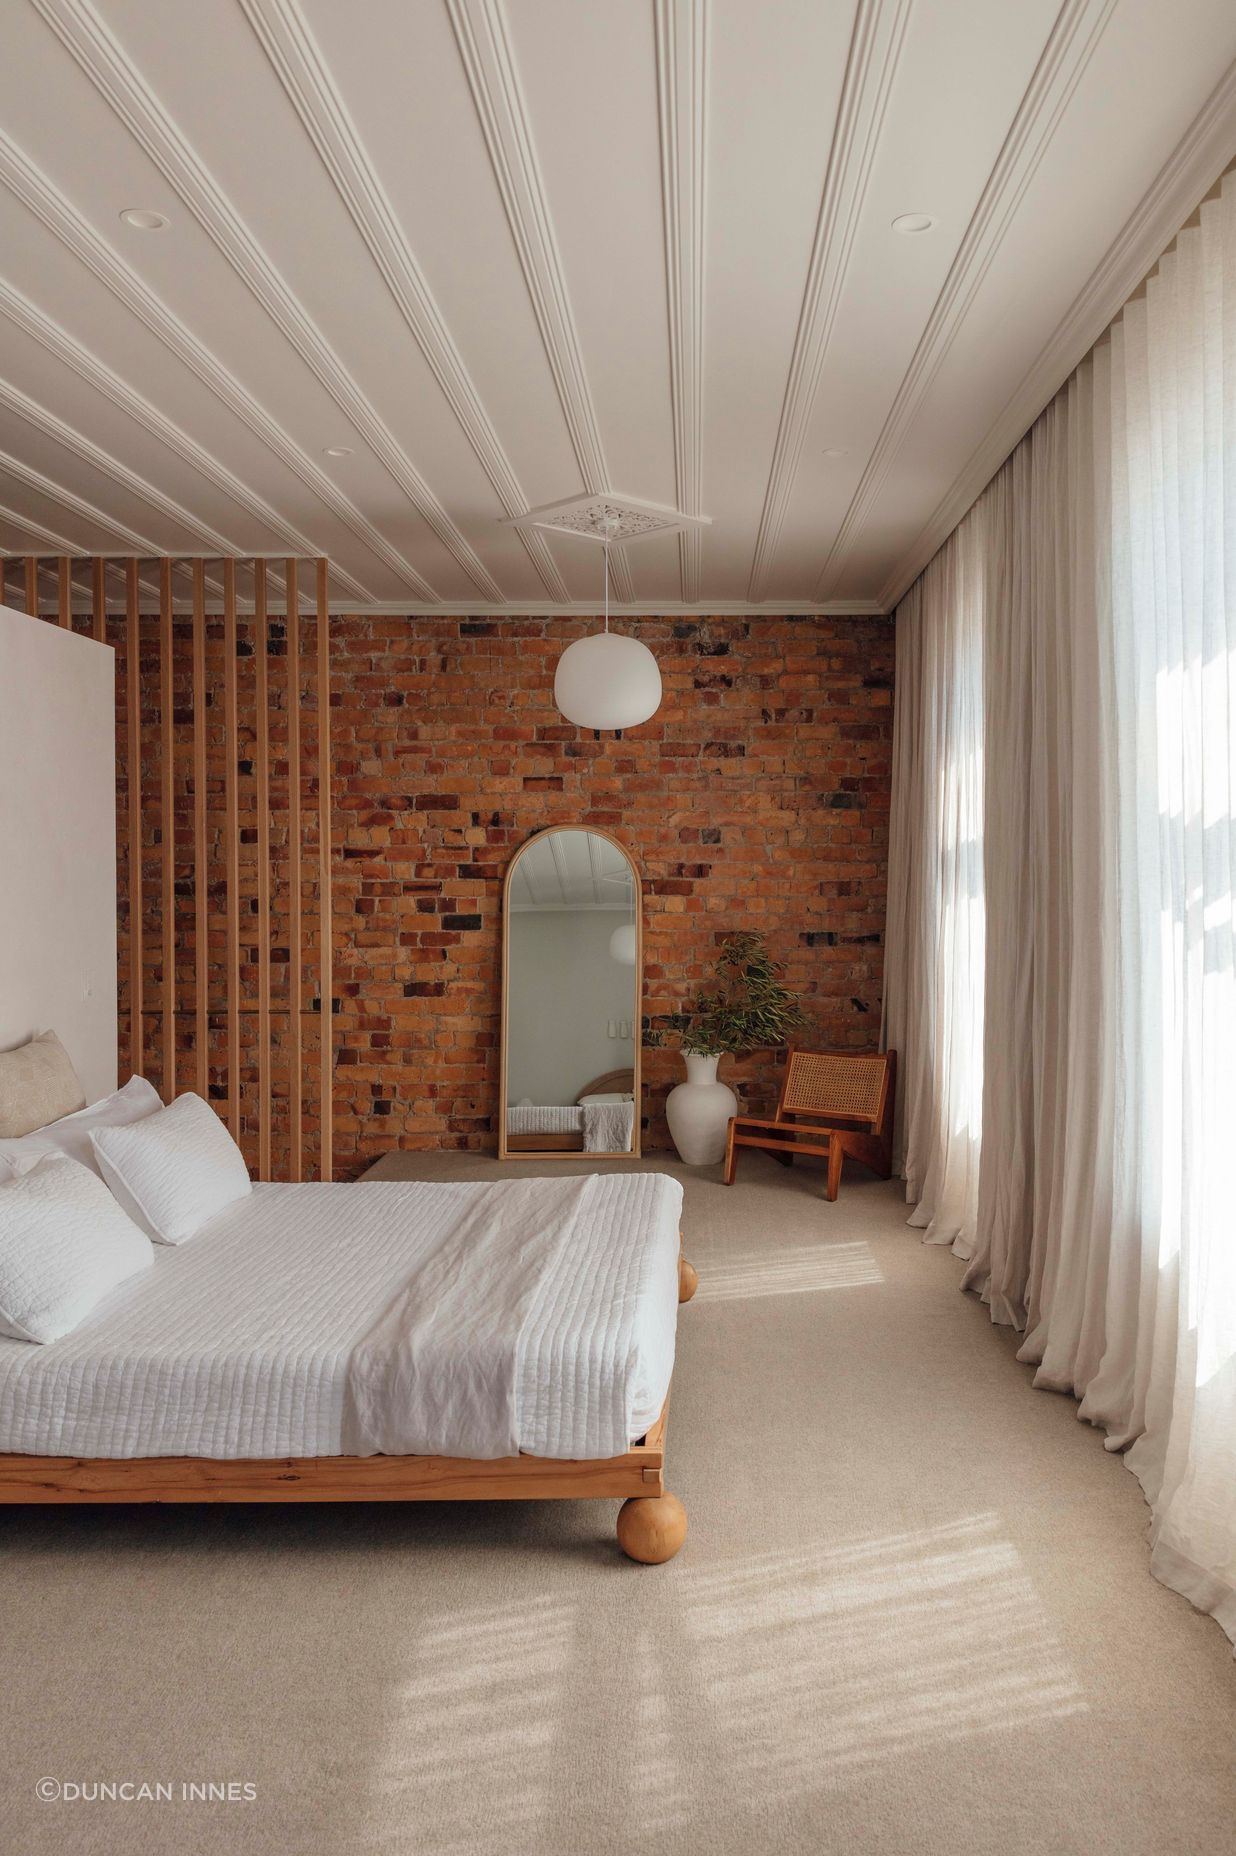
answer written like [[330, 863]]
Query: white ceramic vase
[[699, 1110]]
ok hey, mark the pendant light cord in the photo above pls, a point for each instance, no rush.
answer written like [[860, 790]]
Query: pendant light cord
[[607, 588]]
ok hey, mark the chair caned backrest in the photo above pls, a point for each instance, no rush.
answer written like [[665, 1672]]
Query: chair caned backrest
[[820, 1083]]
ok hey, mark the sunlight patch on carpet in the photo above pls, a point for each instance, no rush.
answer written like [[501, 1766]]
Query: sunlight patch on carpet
[[802, 1271]]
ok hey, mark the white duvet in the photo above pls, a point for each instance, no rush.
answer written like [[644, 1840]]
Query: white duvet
[[248, 1341]]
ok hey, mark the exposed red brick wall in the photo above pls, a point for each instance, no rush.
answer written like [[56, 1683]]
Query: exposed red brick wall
[[757, 798]]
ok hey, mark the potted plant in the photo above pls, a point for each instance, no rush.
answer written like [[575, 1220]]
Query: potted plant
[[747, 1009]]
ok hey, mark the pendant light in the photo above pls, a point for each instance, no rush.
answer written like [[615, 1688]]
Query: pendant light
[[607, 680]]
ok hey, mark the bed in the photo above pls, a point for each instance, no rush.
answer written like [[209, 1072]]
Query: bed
[[270, 1358]]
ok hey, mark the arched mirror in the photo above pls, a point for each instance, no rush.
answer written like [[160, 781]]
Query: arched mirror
[[572, 973]]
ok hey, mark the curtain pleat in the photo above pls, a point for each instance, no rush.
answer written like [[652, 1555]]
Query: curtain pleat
[[933, 1005], [1063, 892]]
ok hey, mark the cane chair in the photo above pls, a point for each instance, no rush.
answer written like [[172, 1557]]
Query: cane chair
[[831, 1105]]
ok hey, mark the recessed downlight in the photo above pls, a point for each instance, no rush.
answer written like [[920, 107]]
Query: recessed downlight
[[144, 218], [913, 223], [337, 451]]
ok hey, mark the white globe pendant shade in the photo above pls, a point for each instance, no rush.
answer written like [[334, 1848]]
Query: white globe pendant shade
[[607, 680], [622, 945]]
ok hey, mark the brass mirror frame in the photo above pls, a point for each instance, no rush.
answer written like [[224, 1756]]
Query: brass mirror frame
[[504, 1153]]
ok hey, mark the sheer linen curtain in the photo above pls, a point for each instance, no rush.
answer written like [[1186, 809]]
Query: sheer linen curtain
[[934, 1001], [1101, 617], [1052, 1011]]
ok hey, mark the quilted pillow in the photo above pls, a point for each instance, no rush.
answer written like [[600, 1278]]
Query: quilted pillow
[[38, 1084], [71, 1134], [64, 1243], [174, 1170]]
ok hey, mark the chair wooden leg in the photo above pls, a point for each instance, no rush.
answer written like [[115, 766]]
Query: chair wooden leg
[[731, 1155], [836, 1155]]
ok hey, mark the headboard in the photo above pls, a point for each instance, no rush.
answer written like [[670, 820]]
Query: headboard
[[614, 1082], [58, 843]]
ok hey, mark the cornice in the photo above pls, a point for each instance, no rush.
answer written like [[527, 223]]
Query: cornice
[[653, 609]]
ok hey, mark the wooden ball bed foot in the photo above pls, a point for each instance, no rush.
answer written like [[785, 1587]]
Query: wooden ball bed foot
[[688, 1280], [651, 1528]]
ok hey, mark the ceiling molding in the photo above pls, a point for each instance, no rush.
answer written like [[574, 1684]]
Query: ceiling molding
[[652, 609], [875, 47], [459, 609], [97, 375], [119, 81], [58, 544], [31, 186], [484, 47], [1078, 28], [719, 108], [681, 30], [68, 499], [81, 599], [1202, 154], [285, 37], [63, 434]]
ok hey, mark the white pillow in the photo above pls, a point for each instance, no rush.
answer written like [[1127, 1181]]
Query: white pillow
[[64, 1243], [174, 1170], [71, 1134]]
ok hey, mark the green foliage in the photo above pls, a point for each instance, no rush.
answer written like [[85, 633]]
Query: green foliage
[[748, 1009]]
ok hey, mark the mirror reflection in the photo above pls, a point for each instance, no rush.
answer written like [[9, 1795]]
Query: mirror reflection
[[572, 1019]]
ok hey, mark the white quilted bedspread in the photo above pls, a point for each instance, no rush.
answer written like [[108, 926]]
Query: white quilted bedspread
[[238, 1343]]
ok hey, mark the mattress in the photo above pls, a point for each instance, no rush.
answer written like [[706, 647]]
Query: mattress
[[237, 1343]]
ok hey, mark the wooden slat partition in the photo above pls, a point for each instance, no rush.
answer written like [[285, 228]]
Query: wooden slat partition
[[133, 659], [232, 847], [295, 953], [233, 1001], [261, 768], [325, 964], [201, 898], [98, 599], [167, 828]]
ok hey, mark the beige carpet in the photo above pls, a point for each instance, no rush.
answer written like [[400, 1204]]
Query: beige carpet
[[913, 1615]]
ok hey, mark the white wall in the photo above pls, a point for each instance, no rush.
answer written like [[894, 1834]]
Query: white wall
[[564, 988], [58, 844]]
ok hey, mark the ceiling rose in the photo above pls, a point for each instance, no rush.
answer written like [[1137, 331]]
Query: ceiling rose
[[607, 518]]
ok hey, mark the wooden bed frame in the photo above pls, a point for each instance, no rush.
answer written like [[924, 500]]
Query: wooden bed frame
[[652, 1523]]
